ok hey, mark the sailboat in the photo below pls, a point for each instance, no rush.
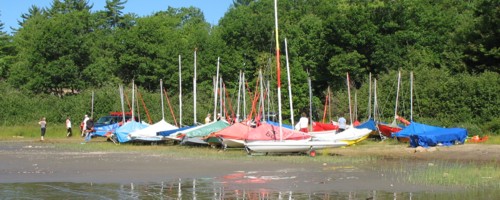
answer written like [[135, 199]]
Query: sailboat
[[281, 144], [149, 134], [388, 129], [351, 135]]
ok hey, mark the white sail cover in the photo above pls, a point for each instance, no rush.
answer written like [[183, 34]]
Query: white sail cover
[[151, 131]]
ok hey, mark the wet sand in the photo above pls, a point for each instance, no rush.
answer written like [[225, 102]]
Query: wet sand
[[34, 161]]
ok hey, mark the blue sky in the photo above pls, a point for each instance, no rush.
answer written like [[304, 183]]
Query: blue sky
[[11, 10]]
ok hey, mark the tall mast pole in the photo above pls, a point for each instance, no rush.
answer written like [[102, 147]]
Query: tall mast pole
[[215, 88], [397, 97], [261, 105], [370, 96], [161, 97], [349, 96], [180, 92], [289, 83], [194, 88], [310, 100], [278, 70], [239, 98], [244, 95], [411, 96], [133, 99]]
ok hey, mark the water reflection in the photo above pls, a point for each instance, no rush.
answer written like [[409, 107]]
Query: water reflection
[[231, 187]]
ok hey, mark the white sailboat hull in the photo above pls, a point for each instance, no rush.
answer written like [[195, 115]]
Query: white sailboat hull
[[291, 146], [233, 143]]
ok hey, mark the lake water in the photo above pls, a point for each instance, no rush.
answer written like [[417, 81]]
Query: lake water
[[210, 189]]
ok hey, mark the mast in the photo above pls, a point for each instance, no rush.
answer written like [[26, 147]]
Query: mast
[[411, 96], [289, 83], [243, 82], [180, 92], [397, 97], [370, 96], [161, 97], [122, 103], [268, 99], [92, 112], [221, 98], [310, 101], [278, 70], [133, 99], [239, 98], [349, 96], [375, 99], [194, 87], [215, 88], [261, 106]]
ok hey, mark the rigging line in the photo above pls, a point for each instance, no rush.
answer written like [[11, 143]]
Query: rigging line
[[170, 107], [382, 107], [145, 108]]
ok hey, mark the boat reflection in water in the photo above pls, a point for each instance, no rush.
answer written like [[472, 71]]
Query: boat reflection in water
[[238, 185]]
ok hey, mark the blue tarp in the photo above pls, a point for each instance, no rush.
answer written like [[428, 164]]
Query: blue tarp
[[370, 124], [122, 132], [169, 132], [288, 126], [426, 135], [102, 130]]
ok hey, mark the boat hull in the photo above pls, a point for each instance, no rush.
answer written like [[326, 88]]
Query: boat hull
[[296, 146]]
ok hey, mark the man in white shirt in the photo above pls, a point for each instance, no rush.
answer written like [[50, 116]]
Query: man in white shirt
[[207, 119], [85, 119], [342, 124], [303, 123]]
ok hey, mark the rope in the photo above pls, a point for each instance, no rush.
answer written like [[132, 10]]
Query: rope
[[170, 106]]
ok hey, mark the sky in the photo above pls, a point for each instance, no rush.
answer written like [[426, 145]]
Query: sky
[[11, 10]]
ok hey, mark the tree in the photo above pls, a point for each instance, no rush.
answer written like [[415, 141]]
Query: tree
[[482, 45], [7, 52], [114, 12], [53, 52]]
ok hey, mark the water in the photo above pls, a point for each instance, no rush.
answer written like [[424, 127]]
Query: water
[[209, 189]]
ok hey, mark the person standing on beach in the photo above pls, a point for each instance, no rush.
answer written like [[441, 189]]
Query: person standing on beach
[[342, 124], [69, 132], [207, 119], [303, 123], [43, 125], [84, 123]]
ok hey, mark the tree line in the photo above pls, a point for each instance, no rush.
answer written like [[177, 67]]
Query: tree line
[[64, 51]]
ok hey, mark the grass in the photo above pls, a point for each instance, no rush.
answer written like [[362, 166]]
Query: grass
[[469, 175]]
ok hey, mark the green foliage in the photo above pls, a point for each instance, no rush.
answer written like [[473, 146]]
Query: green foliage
[[68, 51]]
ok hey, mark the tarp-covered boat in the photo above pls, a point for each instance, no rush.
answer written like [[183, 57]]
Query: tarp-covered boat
[[270, 132], [233, 136], [426, 135], [123, 133], [319, 126], [195, 136], [104, 130], [149, 133]]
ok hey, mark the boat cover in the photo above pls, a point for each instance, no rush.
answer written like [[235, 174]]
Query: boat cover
[[370, 124], [237, 131], [150, 131], [288, 126], [207, 129], [169, 132], [271, 132], [319, 126], [427, 135], [122, 133], [103, 130]]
